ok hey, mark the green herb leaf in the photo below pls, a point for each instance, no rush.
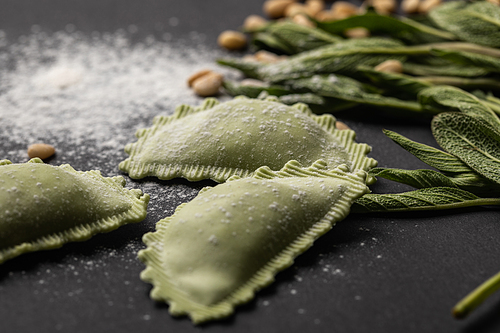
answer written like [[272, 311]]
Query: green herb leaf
[[401, 28], [342, 57], [347, 89], [421, 178], [446, 98], [477, 22], [471, 139], [489, 63], [293, 38], [266, 40], [443, 69], [436, 158], [426, 199], [395, 81]]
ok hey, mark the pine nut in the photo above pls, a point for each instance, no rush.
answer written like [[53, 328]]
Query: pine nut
[[313, 7], [208, 85], [232, 40], [41, 150], [266, 57], [357, 33], [390, 66], [384, 7], [276, 8], [326, 16], [196, 76], [341, 126], [295, 9], [303, 20], [344, 9], [410, 6], [254, 23]]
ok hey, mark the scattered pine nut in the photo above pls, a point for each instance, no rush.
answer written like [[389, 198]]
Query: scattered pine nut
[[232, 40], [357, 33], [313, 7], [344, 9], [410, 6], [384, 7], [325, 16], [254, 23], [341, 126], [41, 150], [266, 57], [390, 66], [303, 20], [196, 76], [295, 9], [426, 5], [276, 8], [208, 85]]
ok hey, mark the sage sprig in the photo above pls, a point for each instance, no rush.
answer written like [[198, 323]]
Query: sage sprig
[[477, 22], [402, 28], [292, 38], [426, 199], [472, 140]]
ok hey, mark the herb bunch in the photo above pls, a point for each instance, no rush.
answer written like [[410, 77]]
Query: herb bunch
[[331, 73]]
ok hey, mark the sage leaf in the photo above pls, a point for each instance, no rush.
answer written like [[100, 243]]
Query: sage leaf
[[347, 89], [426, 199], [447, 98], [395, 81], [421, 178], [342, 57], [489, 63], [434, 157], [401, 28], [443, 69], [424, 178], [471, 139], [477, 22], [265, 40], [292, 38]]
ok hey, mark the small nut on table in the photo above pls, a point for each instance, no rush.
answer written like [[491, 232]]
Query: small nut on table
[[390, 66], [208, 85], [254, 23], [341, 126], [232, 40], [196, 76], [276, 8], [41, 150]]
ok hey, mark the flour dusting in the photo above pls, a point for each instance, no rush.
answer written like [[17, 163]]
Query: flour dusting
[[91, 92]]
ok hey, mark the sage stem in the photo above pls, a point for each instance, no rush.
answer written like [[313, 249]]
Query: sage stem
[[476, 297]]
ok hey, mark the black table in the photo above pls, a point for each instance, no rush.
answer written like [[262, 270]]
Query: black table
[[391, 273]]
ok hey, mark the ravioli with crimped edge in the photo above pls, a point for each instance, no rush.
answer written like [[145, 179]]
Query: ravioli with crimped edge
[[232, 239], [220, 140], [44, 206]]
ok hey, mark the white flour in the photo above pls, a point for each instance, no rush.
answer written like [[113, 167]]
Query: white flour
[[90, 92]]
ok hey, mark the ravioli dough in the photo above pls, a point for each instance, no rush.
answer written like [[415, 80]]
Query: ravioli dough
[[219, 140], [232, 239], [44, 206]]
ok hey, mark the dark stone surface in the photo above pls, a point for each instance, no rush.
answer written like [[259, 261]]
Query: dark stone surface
[[391, 273]]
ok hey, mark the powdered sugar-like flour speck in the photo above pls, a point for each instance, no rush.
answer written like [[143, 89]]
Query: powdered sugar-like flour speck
[[91, 90]]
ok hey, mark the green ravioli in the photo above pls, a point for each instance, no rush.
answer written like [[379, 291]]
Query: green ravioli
[[232, 239], [44, 206], [220, 140]]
